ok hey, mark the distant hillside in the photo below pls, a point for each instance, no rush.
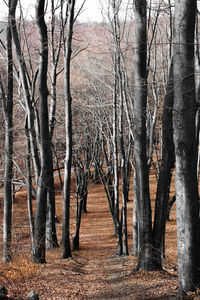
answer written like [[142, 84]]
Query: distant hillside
[[3, 25]]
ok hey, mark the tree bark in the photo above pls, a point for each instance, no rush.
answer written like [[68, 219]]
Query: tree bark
[[141, 168], [185, 107], [167, 164], [45, 182], [25, 87], [29, 182], [68, 127], [119, 116], [79, 208], [7, 101], [115, 166], [135, 219]]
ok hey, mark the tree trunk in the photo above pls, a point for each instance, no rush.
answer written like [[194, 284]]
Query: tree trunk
[[25, 87], [141, 169], [29, 182], [115, 168], [8, 116], [135, 219], [51, 237], [115, 129], [167, 164], [125, 185], [85, 197], [185, 107], [46, 182], [78, 221], [68, 127], [120, 116]]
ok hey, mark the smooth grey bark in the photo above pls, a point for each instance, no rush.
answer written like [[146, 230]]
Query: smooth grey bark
[[7, 103], [185, 108], [115, 132], [45, 182], [51, 238], [29, 182], [167, 164], [115, 166], [54, 64], [141, 168], [66, 248], [124, 166], [81, 190], [25, 87], [135, 219], [119, 118], [40, 218], [88, 153], [55, 50]]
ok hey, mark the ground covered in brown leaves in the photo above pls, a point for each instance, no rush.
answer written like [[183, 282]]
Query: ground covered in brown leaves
[[94, 272]]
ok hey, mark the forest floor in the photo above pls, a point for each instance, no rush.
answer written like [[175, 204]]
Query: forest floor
[[94, 272]]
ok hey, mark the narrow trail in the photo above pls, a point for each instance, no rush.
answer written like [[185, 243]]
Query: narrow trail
[[107, 274], [94, 272]]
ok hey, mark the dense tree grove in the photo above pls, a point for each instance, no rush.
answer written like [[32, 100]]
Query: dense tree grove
[[107, 102]]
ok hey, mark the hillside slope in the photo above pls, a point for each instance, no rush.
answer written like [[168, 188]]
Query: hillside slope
[[94, 272]]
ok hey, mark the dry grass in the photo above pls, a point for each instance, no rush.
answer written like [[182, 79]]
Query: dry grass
[[94, 272]]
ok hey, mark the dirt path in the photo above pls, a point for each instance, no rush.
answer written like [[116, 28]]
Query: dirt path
[[94, 272]]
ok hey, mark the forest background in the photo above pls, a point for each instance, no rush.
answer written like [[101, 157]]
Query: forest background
[[110, 102]]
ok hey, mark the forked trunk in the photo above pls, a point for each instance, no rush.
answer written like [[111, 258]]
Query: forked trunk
[[45, 182]]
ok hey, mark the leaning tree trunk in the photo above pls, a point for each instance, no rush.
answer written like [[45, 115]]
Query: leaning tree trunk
[[8, 115], [68, 127], [185, 107], [167, 164], [141, 168]]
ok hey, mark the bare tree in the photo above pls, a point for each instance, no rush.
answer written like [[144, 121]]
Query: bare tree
[[45, 182], [141, 168], [122, 94], [167, 164], [68, 126], [25, 84], [30, 186], [115, 137], [7, 102], [185, 108]]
